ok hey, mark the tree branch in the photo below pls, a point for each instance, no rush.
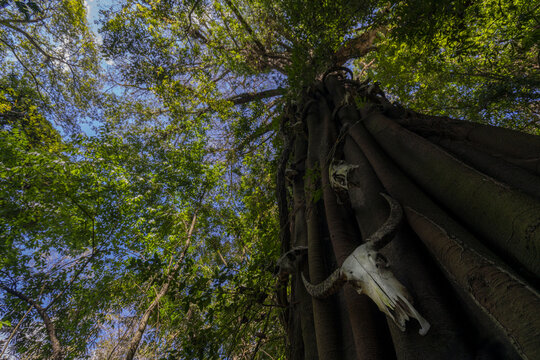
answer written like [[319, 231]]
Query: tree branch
[[33, 42], [20, 21], [246, 26], [252, 96], [75, 276], [49, 325], [356, 47], [14, 331], [38, 85]]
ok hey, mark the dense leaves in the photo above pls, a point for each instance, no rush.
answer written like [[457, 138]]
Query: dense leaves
[[476, 60], [49, 45]]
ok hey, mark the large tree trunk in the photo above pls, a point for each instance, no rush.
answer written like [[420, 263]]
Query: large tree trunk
[[467, 251]]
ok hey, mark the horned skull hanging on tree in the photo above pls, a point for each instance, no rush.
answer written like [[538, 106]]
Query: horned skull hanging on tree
[[368, 272]]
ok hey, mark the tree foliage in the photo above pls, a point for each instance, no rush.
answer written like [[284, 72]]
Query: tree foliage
[[49, 45], [476, 60]]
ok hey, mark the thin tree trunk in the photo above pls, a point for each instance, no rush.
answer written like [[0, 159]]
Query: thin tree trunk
[[56, 346], [143, 322], [14, 331]]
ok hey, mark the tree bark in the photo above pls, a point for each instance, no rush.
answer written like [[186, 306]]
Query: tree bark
[[370, 339], [301, 303], [446, 339], [325, 312], [467, 250], [408, 195], [496, 168], [495, 140], [249, 97], [508, 220]]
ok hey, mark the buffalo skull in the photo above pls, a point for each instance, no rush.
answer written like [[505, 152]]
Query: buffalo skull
[[368, 272]]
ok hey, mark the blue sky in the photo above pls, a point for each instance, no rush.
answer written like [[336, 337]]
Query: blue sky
[[92, 7]]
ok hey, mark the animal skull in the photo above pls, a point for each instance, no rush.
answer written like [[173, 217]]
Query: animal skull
[[338, 173], [290, 261], [367, 271]]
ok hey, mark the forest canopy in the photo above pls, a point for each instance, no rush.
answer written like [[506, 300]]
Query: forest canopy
[[140, 142]]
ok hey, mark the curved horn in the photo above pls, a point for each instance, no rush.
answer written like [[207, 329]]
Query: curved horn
[[328, 287], [386, 232]]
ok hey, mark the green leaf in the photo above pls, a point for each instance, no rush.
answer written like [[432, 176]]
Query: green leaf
[[23, 8]]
